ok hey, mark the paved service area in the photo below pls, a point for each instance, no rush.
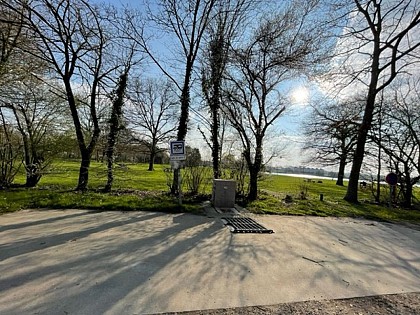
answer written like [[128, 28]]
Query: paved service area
[[86, 262]]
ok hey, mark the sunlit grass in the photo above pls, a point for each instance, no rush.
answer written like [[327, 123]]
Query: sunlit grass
[[275, 188], [135, 188]]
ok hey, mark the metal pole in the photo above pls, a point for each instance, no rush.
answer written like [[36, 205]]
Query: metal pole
[[179, 187]]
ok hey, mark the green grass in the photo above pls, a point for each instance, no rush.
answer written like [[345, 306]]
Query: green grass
[[135, 188], [64, 175], [276, 187]]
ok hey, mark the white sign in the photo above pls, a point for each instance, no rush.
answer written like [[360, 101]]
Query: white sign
[[177, 150]]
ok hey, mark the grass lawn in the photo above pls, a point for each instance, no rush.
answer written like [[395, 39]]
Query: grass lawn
[[135, 188], [276, 187]]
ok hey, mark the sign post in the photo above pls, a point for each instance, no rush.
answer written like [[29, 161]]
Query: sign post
[[392, 180], [177, 156]]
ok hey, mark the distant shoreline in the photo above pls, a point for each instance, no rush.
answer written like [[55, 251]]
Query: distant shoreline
[[309, 176]]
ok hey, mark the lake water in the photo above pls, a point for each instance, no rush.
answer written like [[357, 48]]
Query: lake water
[[308, 176]]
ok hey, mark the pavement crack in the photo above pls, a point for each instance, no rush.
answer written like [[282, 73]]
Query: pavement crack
[[342, 241], [314, 261], [348, 283]]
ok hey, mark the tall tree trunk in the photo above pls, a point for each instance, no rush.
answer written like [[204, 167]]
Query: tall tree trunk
[[352, 189], [185, 104], [153, 153], [115, 126], [378, 176], [253, 184], [84, 170], [408, 194], [341, 169], [218, 56], [215, 152], [254, 171], [110, 161], [84, 151], [183, 120]]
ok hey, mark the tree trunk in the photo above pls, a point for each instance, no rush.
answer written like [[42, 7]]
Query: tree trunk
[[215, 106], [378, 177], [215, 153], [110, 160], [33, 169], [84, 151], [253, 184], [183, 119], [408, 194], [32, 163], [185, 104], [341, 168], [33, 175], [352, 189], [115, 126], [84, 171], [152, 160], [218, 62], [254, 171]]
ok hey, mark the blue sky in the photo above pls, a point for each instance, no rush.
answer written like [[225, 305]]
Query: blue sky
[[285, 133]]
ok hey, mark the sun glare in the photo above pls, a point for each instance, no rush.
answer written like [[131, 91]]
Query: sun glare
[[300, 96]]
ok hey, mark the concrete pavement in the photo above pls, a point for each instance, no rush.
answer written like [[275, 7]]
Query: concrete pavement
[[86, 262]]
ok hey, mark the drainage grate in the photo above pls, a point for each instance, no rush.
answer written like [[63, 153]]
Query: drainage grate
[[244, 225]]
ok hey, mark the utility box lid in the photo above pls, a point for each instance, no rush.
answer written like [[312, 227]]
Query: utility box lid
[[223, 193]]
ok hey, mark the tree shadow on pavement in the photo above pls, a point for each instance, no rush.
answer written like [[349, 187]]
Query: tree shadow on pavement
[[111, 262]]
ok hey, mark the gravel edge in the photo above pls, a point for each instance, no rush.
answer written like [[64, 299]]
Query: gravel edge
[[401, 304]]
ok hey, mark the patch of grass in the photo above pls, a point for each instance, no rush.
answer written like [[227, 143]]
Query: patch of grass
[[276, 187], [64, 175], [134, 188], [23, 198], [137, 189]]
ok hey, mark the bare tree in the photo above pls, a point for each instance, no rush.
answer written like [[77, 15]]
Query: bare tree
[[331, 132], [115, 124], [129, 57], [222, 30], [25, 95], [400, 135], [12, 38], [37, 115], [185, 22], [73, 39], [10, 152], [280, 47], [152, 111], [379, 43]]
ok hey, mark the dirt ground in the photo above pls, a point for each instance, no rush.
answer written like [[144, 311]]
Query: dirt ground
[[400, 304]]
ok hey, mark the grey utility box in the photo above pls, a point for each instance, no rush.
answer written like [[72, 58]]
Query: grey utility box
[[223, 193]]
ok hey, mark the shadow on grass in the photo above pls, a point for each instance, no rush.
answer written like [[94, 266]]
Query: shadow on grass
[[117, 200], [331, 205]]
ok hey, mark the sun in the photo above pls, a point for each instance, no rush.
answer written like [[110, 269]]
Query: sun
[[300, 95]]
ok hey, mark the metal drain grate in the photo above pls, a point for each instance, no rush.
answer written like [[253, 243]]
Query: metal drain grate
[[244, 225]]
